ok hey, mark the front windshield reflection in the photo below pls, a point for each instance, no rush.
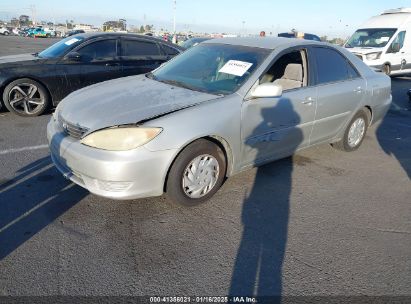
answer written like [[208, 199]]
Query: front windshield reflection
[[212, 68]]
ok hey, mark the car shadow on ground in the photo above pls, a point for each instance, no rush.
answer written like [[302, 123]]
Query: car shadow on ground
[[258, 266], [31, 201], [394, 137], [394, 132]]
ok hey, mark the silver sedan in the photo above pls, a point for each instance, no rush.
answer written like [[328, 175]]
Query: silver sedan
[[219, 108]]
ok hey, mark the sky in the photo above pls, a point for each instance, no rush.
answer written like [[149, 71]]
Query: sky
[[321, 17]]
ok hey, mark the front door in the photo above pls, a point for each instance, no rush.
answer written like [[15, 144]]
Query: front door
[[273, 128], [99, 61]]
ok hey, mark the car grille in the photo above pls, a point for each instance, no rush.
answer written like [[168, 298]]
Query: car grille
[[73, 130]]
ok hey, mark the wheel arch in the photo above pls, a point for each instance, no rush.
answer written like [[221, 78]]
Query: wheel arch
[[10, 80], [219, 141]]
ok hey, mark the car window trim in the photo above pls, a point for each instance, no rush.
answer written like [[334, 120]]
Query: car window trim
[[316, 84], [92, 40]]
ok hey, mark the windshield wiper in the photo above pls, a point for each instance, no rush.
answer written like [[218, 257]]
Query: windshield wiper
[[185, 86]]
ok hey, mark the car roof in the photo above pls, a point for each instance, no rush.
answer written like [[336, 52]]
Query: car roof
[[91, 35], [264, 42]]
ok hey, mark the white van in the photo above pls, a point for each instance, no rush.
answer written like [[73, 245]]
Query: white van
[[384, 42]]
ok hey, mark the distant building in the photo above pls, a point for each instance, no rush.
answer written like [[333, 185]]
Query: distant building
[[84, 27], [24, 20], [114, 26]]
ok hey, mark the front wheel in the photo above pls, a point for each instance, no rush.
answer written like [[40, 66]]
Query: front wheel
[[196, 174], [26, 97], [387, 69], [354, 134]]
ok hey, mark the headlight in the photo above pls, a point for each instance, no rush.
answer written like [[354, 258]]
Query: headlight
[[373, 56], [120, 139]]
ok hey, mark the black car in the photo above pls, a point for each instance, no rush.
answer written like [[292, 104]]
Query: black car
[[74, 32], [30, 83]]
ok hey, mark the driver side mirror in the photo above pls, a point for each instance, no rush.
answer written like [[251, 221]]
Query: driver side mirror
[[267, 89], [73, 56]]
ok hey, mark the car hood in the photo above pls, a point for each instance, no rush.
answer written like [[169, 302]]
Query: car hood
[[17, 58], [127, 100], [364, 50]]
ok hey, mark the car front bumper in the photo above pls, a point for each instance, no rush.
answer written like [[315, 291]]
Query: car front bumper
[[113, 174]]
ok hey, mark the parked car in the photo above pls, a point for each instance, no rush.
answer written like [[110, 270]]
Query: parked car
[[74, 32], [41, 33], [384, 42], [305, 36], [215, 110], [4, 31], [193, 42], [30, 83]]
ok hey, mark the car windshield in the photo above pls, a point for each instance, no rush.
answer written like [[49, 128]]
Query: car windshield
[[62, 47], [376, 37], [211, 68]]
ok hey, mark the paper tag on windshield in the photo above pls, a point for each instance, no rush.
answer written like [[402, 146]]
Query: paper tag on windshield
[[71, 41], [235, 67], [384, 39]]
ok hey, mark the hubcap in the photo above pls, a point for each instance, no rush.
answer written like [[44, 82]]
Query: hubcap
[[26, 98], [200, 176], [356, 132]]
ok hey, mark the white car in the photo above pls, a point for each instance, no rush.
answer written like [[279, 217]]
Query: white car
[[4, 31]]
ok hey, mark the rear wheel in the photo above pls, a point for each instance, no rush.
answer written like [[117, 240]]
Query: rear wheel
[[26, 97], [197, 173], [354, 134]]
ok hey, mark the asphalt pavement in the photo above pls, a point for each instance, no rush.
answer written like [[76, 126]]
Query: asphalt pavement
[[323, 222]]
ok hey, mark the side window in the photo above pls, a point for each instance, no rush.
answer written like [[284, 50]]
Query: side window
[[170, 50], [397, 43], [288, 71], [132, 48], [332, 66], [99, 50]]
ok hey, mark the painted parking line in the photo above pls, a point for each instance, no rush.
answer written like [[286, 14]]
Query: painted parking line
[[8, 151]]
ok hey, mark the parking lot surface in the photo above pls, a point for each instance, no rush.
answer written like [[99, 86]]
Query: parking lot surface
[[323, 222]]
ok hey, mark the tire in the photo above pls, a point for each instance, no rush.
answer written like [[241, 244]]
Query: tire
[[6, 33], [35, 101], [351, 142], [179, 181], [387, 69]]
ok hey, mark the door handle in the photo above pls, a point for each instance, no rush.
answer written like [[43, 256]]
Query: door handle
[[308, 101], [358, 90], [112, 64]]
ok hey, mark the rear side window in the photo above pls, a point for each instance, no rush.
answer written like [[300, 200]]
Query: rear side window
[[132, 48], [170, 50], [99, 50], [332, 66]]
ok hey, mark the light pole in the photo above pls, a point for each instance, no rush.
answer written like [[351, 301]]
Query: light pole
[[174, 16], [243, 22]]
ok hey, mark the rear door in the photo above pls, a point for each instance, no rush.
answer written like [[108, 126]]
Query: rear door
[[340, 90], [139, 56]]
